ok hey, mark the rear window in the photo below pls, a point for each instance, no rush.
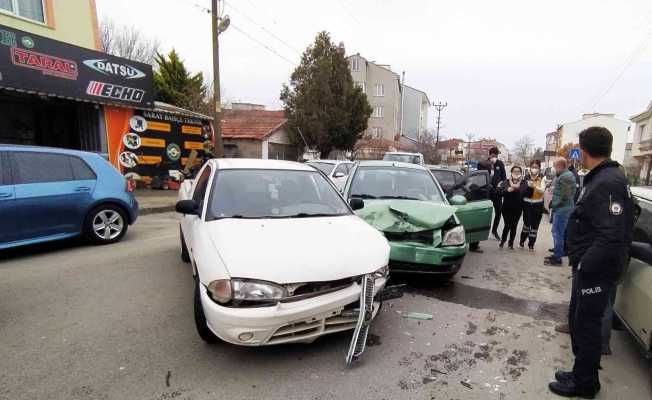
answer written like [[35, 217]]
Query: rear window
[[81, 170], [33, 167]]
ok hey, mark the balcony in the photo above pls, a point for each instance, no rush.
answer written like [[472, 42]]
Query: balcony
[[642, 148]]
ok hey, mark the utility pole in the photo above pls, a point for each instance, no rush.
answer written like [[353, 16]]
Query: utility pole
[[439, 107], [219, 25], [469, 138], [402, 103]]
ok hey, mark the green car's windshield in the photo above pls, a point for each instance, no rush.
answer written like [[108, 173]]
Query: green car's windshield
[[395, 183], [265, 193], [406, 158]]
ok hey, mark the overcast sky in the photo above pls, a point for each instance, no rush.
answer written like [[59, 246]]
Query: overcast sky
[[507, 68]]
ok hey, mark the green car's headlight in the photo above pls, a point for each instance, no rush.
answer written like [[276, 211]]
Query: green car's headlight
[[454, 236]]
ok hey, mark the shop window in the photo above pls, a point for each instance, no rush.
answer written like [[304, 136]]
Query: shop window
[[30, 9], [81, 170], [32, 167]]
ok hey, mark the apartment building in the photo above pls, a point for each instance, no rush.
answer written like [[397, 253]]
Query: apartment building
[[569, 132], [642, 143], [396, 108]]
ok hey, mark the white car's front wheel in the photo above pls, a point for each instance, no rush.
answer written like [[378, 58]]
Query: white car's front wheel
[[200, 319]]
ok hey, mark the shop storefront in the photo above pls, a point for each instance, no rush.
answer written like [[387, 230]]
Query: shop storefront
[[56, 94]]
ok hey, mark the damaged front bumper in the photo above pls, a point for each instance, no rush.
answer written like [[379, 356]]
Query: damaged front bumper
[[418, 258], [299, 321]]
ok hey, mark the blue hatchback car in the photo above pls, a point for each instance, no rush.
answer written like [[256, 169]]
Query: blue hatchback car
[[50, 194]]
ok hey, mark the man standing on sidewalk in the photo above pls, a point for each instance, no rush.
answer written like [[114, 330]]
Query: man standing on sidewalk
[[600, 231], [561, 207], [498, 175]]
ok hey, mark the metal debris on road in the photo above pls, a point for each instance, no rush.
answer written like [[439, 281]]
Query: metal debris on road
[[420, 316], [466, 385]]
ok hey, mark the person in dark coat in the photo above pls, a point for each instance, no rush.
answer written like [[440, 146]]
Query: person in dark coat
[[599, 234], [498, 175], [511, 191]]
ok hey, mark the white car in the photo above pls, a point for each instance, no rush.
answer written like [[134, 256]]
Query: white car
[[277, 253], [336, 170], [400, 156]]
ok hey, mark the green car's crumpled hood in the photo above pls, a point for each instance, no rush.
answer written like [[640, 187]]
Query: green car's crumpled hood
[[405, 215]]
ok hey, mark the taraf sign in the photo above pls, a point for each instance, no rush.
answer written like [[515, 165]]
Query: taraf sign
[[34, 63]]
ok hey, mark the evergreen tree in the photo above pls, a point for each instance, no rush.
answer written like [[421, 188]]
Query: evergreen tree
[[173, 83], [322, 101]]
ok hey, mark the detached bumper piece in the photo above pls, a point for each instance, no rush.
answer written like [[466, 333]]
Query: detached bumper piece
[[359, 340]]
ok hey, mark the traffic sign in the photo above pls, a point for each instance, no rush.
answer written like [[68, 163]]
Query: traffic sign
[[574, 154]]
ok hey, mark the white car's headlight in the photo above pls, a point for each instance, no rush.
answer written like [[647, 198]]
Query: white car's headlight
[[249, 290], [381, 272], [454, 236]]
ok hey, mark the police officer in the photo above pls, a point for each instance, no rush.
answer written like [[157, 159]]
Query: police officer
[[599, 234], [498, 174]]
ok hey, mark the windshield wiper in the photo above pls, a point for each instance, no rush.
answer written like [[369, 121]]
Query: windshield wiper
[[398, 197], [309, 215], [364, 196]]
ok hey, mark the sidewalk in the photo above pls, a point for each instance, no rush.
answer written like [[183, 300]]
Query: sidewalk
[[156, 201]]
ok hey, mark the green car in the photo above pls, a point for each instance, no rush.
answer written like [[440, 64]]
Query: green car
[[427, 232]]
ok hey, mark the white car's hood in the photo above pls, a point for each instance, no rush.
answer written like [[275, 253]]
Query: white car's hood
[[293, 250]]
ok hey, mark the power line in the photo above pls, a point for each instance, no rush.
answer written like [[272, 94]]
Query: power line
[[268, 48], [640, 49], [270, 33], [349, 13], [271, 50]]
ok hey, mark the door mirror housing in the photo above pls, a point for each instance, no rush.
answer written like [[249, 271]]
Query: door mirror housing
[[339, 175], [356, 204], [457, 200], [187, 207]]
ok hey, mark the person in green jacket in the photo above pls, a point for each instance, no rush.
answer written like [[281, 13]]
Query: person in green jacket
[[561, 205]]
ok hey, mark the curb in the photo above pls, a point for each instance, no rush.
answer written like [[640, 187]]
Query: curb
[[156, 210]]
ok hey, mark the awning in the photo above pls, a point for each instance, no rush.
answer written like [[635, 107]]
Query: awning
[[38, 65]]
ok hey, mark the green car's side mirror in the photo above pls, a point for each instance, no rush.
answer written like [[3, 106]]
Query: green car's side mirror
[[457, 200]]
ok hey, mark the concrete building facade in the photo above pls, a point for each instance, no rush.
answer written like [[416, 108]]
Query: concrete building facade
[[569, 132], [642, 143]]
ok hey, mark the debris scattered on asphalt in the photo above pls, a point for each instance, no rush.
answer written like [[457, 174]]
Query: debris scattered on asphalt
[[436, 371], [466, 385], [416, 315], [428, 379], [471, 328], [167, 379], [373, 340], [465, 277]]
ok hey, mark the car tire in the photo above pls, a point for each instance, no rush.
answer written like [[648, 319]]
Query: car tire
[[105, 224], [185, 256], [200, 319]]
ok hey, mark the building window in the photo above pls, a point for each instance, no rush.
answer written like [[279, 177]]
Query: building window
[[377, 132], [362, 86], [378, 111], [30, 9], [642, 134], [380, 90], [355, 64]]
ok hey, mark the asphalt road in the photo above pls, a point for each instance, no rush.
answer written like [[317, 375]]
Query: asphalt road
[[115, 322]]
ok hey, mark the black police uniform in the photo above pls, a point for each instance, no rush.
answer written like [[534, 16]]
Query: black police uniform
[[498, 175], [599, 233]]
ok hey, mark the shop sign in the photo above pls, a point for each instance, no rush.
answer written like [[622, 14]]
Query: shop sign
[[35, 63], [117, 69], [115, 92], [48, 65]]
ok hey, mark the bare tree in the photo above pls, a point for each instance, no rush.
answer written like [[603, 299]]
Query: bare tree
[[128, 42], [426, 146], [523, 149]]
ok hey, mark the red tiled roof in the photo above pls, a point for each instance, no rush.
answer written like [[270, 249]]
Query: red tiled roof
[[251, 124]]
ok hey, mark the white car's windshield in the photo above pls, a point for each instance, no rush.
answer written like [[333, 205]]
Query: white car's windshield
[[406, 158], [395, 183], [263, 193], [323, 167]]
